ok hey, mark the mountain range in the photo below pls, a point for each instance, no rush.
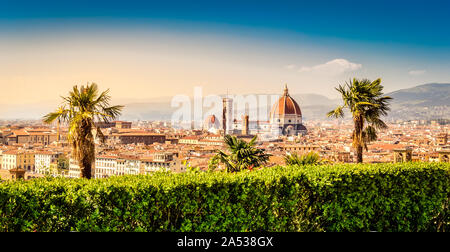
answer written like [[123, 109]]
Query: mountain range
[[427, 101]]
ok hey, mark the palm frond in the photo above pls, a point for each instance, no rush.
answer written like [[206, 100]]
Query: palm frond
[[365, 100], [242, 155], [338, 112], [80, 109]]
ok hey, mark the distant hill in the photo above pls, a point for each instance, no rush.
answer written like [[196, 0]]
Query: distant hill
[[148, 111], [432, 94], [428, 101]]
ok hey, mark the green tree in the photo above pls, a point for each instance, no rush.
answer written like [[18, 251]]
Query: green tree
[[80, 110], [365, 100], [242, 155], [311, 158], [63, 163]]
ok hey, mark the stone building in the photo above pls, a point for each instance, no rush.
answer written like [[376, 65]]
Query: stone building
[[402, 155]]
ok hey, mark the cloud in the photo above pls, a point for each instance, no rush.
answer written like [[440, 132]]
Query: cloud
[[416, 72], [291, 66], [336, 66]]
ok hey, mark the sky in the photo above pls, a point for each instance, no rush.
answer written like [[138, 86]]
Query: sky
[[145, 50]]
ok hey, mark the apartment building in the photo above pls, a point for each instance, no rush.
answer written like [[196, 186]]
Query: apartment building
[[212, 140], [300, 148], [189, 140], [111, 165], [146, 138], [21, 159], [29, 136], [46, 162], [74, 169], [129, 165], [105, 166], [162, 162], [114, 124]]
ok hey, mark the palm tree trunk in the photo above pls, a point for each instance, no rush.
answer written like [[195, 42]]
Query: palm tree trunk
[[359, 154], [57, 131], [85, 167], [86, 150], [358, 138]]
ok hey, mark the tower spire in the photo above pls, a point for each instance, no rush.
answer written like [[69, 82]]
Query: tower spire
[[285, 93]]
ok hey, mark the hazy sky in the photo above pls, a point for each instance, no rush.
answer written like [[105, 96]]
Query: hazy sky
[[144, 50]]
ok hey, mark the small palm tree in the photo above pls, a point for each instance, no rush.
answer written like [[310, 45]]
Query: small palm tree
[[242, 155], [365, 100], [80, 110], [311, 158]]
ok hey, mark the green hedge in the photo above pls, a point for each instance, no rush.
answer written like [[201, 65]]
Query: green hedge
[[382, 197]]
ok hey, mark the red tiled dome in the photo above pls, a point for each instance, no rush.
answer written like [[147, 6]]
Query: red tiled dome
[[285, 106], [211, 121]]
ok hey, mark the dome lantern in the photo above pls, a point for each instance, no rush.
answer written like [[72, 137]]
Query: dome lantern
[[285, 92]]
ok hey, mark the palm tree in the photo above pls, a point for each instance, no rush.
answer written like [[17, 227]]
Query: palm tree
[[242, 155], [80, 110], [365, 100], [311, 158]]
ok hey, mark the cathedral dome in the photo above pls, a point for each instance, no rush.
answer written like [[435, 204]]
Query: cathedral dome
[[211, 122], [286, 105]]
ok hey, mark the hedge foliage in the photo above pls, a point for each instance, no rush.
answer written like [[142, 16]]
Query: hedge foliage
[[381, 197]]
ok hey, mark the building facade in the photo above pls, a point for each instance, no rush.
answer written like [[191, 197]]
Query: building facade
[[162, 162], [18, 159], [45, 162], [146, 138]]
